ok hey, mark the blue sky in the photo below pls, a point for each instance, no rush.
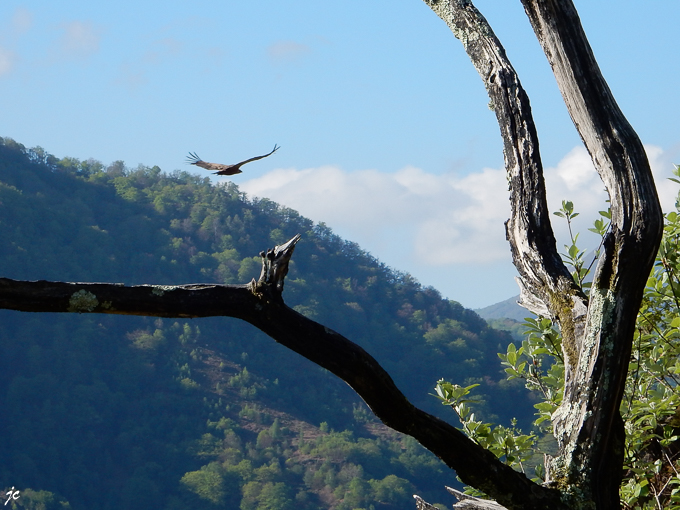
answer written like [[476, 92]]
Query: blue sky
[[383, 122]]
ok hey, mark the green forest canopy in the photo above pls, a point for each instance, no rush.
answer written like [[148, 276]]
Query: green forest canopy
[[127, 412]]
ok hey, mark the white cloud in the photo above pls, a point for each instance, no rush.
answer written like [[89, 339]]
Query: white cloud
[[469, 223], [79, 39], [214, 57], [22, 20], [575, 179], [20, 23], [135, 73], [130, 77], [143, 67], [437, 220], [7, 59], [287, 51], [168, 47], [575, 173], [662, 167]]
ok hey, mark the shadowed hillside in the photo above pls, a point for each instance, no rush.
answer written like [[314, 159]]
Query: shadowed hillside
[[132, 412]]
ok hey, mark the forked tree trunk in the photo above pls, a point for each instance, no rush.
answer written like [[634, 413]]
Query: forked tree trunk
[[597, 335], [597, 332]]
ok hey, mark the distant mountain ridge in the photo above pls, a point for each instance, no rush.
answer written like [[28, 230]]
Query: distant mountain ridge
[[508, 309]]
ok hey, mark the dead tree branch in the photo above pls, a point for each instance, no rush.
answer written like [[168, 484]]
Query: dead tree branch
[[259, 303]]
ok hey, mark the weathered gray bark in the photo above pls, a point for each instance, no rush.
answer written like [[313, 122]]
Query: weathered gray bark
[[597, 332], [421, 504], [275, 266], [466, 502], [588, 425]]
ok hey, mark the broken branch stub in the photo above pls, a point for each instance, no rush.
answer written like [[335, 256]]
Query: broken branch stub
[[275, 265], [421, 504], [465, 502]]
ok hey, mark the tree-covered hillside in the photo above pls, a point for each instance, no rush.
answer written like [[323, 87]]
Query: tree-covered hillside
[[129, 412]]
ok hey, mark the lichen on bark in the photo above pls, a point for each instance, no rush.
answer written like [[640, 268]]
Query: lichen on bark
[[82, 301]]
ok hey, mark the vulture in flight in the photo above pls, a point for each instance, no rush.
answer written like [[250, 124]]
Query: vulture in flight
[[224, 169]]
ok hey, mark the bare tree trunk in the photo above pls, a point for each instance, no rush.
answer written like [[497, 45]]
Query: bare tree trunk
[[589, 419], [597, 332]]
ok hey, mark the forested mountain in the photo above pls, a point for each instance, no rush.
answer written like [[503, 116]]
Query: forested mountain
[[104, 412]]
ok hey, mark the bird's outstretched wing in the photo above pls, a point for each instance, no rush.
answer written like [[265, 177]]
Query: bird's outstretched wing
[[276, 147], [194, 159], [220, 169]]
